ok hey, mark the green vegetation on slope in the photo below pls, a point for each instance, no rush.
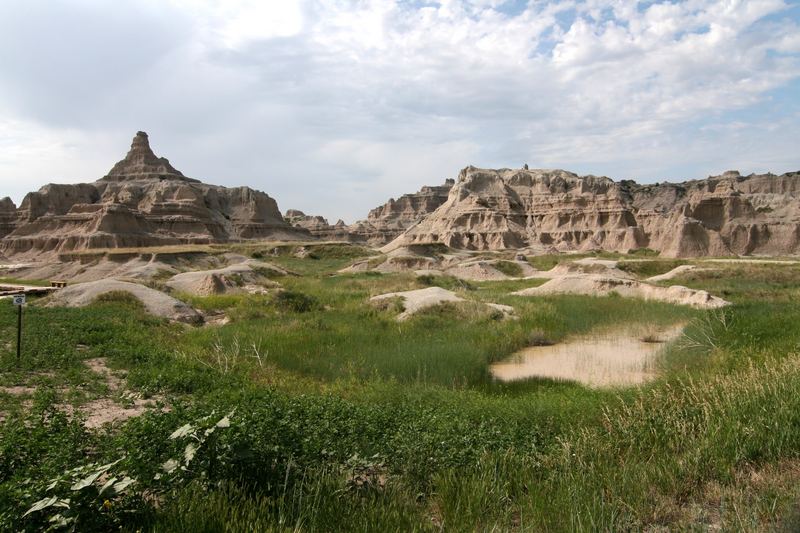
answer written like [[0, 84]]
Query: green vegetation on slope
[[318, 411]]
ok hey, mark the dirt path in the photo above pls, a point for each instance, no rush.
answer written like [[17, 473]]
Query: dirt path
[[105, 410], [121, 404]]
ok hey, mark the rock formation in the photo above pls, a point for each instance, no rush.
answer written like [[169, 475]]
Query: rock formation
[[249, 276], [555, 210], [143, 201], [319, 227], [385, 223], [8, 216]]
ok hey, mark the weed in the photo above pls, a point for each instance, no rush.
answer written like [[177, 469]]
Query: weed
[[537, 337], [296, 302], [509, 268]]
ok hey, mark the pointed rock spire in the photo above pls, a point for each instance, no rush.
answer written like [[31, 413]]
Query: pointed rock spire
[[142, 163]]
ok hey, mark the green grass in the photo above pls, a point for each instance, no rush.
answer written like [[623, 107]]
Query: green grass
[[649, 268], [548, 261], [344, 419], [746, 282], [335, 334], [508, 268], [31, 282]]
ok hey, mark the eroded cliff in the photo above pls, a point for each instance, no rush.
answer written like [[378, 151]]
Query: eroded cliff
[[556, 210]]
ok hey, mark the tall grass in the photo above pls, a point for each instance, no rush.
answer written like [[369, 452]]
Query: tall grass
[[351, 421], [343, 336]]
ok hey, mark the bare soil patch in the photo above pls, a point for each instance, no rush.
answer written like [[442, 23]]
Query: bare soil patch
[[103, 411]]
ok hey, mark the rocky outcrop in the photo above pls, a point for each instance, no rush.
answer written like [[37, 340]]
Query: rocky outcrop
[[555, 210], [319, 227], [8, 216], [143, 201], [140, 162], [249, 276], [385, 223]]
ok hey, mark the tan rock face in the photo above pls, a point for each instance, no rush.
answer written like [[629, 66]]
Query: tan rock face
[[555, 210], [141, 162], [319, 227], [143, 201], [385, 223], [8, 216]]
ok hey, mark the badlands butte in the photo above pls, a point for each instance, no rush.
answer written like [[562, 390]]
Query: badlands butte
[[144, 201]]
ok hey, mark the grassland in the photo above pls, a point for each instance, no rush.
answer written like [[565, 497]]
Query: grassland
[[316, 411]]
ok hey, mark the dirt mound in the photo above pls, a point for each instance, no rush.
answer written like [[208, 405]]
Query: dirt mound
[[359, 266], [417, 300], [407, 263], [476, 271], [598, 285], [578, 268], [675, 272], [156, 302], [234, 278]]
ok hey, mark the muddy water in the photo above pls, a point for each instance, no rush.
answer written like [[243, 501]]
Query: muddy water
[[608, 359]]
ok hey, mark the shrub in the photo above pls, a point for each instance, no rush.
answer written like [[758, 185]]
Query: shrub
[[508, 268], [538, 337], [295, 301]]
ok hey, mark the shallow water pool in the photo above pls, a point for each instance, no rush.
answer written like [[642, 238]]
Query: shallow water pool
[[608, 359]]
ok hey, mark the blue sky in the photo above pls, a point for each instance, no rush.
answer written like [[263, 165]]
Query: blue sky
[[334, 106]]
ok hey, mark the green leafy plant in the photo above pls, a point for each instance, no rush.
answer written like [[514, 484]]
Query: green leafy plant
[[202, 453], [83, 498]]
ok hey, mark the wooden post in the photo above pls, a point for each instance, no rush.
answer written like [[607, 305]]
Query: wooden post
[[19, 332], [19, 301]]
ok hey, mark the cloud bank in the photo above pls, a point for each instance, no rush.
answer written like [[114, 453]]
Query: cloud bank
[[334, 106]]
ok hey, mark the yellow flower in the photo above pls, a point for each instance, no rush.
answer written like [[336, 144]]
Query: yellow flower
[[107, 504]]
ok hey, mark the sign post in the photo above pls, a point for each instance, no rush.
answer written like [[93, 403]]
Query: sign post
[[19, 301]]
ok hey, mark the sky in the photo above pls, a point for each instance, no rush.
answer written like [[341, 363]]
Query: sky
[[334, 106]]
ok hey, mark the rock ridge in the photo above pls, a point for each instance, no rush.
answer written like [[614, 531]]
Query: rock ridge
[[383, 223], [558, 211]]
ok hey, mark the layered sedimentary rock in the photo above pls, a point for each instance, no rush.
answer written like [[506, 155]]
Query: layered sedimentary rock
[[143, 201], [557, 210], [8, 216], [319, 227], [385, 223]]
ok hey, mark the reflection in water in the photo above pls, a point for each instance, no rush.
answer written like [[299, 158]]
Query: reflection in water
[[615, 358]]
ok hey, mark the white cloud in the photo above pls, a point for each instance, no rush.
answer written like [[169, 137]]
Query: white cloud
[[357, 100], [233, 24]]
